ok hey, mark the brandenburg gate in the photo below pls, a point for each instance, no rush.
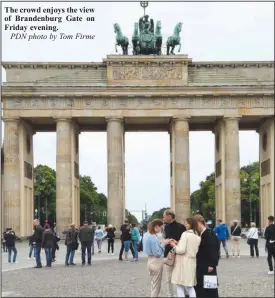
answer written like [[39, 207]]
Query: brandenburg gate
[[144, 92]]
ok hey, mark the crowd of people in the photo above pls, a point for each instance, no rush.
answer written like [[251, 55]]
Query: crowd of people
[[189, 253]]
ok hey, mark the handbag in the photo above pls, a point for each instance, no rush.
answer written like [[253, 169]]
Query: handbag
[[170, 259], [249, 239], [210, 282]]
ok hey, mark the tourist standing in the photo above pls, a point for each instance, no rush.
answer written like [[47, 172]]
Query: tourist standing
[[270, 243], [38, 233], [207, 259], [47, 244], [4, 241], [253, 237], [55, 245], [126, 236], [222, 233], [135, 236], [32, 245], [172, 230], [184, 272], [86, 237], [10, 239], [155, 251], [72, 245], [111, 238], [236, 238], [122, 228], [99, 234]]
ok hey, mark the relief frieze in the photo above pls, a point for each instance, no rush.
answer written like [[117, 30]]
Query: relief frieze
[[118, 103], [147, 73]]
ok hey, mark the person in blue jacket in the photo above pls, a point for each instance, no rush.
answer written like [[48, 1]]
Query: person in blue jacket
[[221, 230], [135, 235]]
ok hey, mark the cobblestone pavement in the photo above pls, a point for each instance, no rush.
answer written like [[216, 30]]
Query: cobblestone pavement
[[244, 277], [23, 251]]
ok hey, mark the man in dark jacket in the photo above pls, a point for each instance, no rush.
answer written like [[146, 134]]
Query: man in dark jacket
[[72, 245], [207, 259], [270, 243], [47, 244], [122, 229], [38, 235], [86, 237], [172, 230], [10, 238]]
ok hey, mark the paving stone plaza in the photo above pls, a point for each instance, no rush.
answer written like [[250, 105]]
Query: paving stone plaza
[[108, 277]]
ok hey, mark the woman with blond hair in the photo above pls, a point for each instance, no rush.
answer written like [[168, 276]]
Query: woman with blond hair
[[236, 238], [184, 272], [253, 237], [154, 250]]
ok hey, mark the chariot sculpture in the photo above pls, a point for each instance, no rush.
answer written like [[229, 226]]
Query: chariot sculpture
[[147, 39]]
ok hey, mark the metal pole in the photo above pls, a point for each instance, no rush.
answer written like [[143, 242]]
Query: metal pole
[[47, 208], [38, 207], [250, 206]]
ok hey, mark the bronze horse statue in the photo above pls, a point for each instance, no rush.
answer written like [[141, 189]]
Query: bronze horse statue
[[174, 40], [121, 40]]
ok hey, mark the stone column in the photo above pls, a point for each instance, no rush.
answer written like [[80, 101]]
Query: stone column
[[64, 212], [12, 175], [181, 168], [219, 170], [75, 173], [115, 134], [267, 177], [232, 170]]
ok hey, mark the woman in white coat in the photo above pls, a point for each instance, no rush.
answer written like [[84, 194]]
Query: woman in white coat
[[184, 272]]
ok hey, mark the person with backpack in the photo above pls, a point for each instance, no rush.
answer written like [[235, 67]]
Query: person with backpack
[[10, 239], [111, 238], [236, 238], [270, 243], [72, 245], [207, 259], [122, 229], [86, 237]]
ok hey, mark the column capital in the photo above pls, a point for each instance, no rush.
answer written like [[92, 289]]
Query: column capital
[[11, 119], [230, 118], [180, 118], [60, 119], [114, 118]]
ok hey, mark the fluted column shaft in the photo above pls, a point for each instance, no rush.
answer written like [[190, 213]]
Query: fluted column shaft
[[232, 170], [11, 175], [182, 169], [64, 202], [115, 144]]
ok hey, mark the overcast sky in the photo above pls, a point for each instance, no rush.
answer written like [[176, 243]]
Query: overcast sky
[[211, 32]]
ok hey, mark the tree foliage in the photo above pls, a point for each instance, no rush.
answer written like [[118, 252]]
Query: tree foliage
[[93, 205], [203, 199]]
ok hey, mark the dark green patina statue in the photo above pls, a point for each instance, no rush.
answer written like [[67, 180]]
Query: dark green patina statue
[[121, 40], [174, 40], [147, 40]]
